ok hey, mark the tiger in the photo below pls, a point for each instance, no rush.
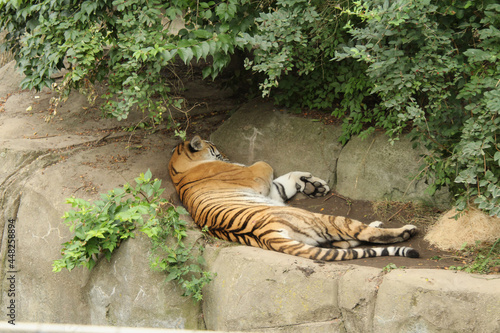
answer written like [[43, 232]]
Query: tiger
[[246, 205]]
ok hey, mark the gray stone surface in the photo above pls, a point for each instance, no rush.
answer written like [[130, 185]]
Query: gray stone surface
[[437, 301], [358, 288], [369, 169], [263, 291], [43, 163], [122, 292], [373, 169], [260, 132], [121, 296], [9, 79]]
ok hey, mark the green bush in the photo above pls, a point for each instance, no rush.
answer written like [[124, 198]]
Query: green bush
[[294, 42], [126, 43], [101, 226], [435, 66], [426, 67]]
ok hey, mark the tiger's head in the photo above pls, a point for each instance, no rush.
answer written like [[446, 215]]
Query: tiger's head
[[191, 153]]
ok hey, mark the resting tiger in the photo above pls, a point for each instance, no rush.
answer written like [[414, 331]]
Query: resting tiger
[[244, 204]]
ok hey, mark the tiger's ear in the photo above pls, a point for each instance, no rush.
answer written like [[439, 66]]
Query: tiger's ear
[[196, 143]]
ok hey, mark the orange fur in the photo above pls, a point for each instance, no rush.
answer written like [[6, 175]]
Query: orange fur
[[235, 202]]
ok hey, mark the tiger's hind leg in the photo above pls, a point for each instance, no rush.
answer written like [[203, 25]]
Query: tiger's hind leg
[[351, 233], [286, 186], [346, 229], [346, 244], [353, 243], [311, 235]]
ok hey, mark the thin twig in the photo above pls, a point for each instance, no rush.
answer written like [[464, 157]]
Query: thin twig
[[337, 195], [34, 137], [399, 211], [103, 138], [349, 204]]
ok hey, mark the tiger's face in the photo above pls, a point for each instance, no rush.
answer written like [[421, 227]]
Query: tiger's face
[[191, 153]]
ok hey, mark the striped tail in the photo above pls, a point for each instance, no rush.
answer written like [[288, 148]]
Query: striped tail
[[358, 253], [332, 254]]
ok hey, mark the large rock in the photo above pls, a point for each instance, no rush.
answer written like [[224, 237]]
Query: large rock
[[358, 289], [437, 301], [258, 290], [125, 292], [375, 169], [122, 292], [369, 169], [260, 132], [9, 79], [263, 291], [42, 164]]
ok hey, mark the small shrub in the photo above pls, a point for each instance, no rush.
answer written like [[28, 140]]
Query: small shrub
[[485, 259], [101, 226], [391, 267]]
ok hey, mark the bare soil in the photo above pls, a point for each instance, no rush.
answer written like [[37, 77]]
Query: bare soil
[[393, 214]]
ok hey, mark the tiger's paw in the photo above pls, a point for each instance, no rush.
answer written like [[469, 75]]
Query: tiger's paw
[[313, 186], [376, 224], [411, 229]]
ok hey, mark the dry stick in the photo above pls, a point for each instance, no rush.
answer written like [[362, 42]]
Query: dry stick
[[341, 197], [34, 137], [337, 195], [103, 138], [399, 211]]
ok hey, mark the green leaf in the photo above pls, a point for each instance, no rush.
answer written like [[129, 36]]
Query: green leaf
[[222, 11], [197, 52], [80, 234], [477, 55], [186, 54], [201, 260], [173, 12], [148, 175], [172, 276], [496, 157], [206, 72], [202, 34], [181, 210], [167, 55]]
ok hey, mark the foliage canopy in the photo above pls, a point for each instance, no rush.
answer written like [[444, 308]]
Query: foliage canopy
[[430, 68]]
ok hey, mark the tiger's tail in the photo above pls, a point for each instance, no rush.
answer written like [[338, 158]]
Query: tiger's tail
[[331, 254]]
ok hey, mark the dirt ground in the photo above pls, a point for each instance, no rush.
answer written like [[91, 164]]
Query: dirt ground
[[393, 214]]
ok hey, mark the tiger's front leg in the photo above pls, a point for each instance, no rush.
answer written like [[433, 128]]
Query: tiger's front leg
[[285, 187]]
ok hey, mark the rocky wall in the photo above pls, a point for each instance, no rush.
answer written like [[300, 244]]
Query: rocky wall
[[261, 291]]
